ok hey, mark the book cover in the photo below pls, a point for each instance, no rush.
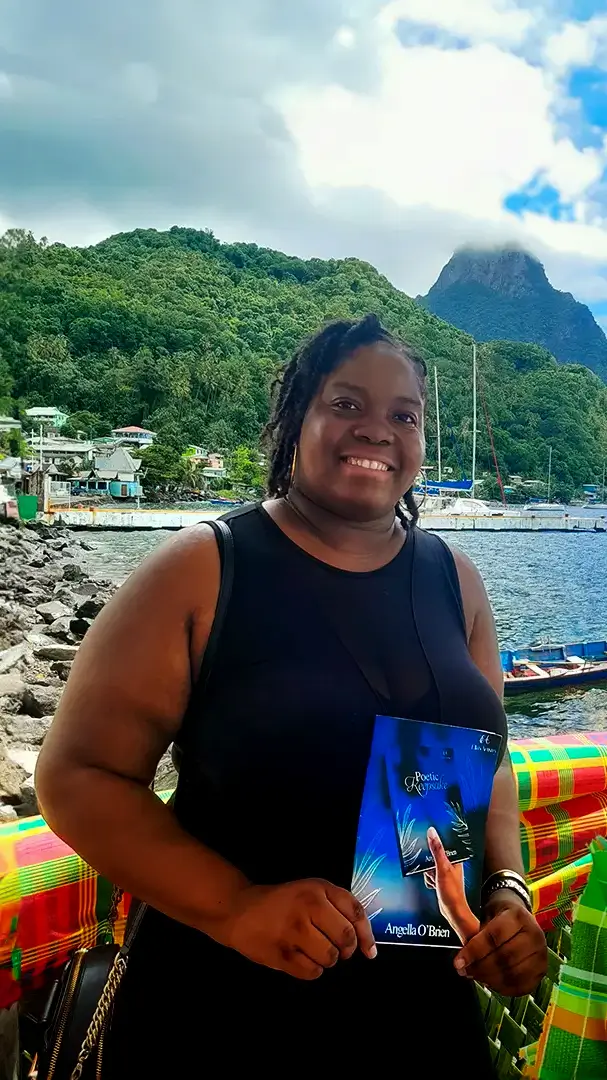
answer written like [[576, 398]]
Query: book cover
[[427, 793]]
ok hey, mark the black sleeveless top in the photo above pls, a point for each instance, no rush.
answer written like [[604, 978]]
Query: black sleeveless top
[[272, 777]]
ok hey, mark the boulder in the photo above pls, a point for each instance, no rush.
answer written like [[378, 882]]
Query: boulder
[[90, 608], [7, 813], [61, 668], [37, 637], [28, 806], [73, 572], [53, 610], [9, 658], [12, 776], [56, 652], [79, 627], [28, 729], [12, 689], [26, 759], [86, 546], [60, 629], [41, 700]]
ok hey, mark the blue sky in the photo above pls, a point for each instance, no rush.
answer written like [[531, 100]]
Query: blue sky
[[391, 130]]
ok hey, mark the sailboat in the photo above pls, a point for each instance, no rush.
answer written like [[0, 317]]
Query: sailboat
[[538, 506], [455, 497]]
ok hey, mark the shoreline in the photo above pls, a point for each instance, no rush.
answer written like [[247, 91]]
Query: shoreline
[[48, 601]]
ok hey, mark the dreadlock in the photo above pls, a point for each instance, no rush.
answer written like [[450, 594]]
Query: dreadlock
[[316, 357]]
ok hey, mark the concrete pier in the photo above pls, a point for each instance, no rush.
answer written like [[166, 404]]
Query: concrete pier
[[116, 518]]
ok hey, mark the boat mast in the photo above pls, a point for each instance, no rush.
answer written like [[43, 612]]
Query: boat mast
[[549, 473], [603, 495], [438, 443], [473, 416]]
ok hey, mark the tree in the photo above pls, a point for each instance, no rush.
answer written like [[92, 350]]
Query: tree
[[245, 468], [162, 468]]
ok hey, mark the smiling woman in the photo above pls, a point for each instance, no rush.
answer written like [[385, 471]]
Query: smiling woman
[[254, 952]]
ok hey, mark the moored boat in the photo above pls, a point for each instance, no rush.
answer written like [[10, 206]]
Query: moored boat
[[550, 667]]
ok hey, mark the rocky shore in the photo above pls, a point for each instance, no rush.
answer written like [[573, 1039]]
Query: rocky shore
[[48, 601]]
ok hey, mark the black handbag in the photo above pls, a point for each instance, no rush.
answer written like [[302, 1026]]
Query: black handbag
[[62, 1034]]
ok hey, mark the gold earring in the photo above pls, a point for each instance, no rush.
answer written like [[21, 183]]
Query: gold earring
[[293, 464]]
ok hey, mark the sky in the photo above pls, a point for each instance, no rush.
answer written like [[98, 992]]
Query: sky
[[391, 131]]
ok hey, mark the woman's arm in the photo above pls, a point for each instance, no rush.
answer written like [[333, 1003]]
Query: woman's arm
[[503, 847], [509, 952], [122, 707]]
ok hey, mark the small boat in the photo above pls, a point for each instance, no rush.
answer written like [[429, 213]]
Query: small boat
[[550, 667], [539, 507]]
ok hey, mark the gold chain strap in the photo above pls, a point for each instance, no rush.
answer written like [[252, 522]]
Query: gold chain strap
[[100, 1015]]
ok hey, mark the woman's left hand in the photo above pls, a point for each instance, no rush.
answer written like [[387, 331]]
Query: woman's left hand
[[509, 952]]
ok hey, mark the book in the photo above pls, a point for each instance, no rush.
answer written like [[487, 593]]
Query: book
[[427, 786]]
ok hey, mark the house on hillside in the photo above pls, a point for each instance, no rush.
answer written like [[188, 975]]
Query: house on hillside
[[215, 467], [8, 423], [134, 436], [46, 416], [116, 475]]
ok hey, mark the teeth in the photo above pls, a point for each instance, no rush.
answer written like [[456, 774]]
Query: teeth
[[364, 463]]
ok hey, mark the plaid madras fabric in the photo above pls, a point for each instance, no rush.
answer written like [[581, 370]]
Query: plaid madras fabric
[[573, 1043], [52, 903], [553, 770]]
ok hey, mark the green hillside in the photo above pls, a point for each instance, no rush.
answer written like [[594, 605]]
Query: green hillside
[[180, 333]]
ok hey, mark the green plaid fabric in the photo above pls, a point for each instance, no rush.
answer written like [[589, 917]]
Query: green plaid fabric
[[574, 1039]]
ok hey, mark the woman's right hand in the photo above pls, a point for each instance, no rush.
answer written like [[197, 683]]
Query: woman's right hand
[[301, 928]]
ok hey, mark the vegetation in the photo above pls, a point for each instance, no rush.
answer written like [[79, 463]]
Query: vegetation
[[179, 333]]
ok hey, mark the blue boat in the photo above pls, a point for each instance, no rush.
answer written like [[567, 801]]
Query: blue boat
[[550, 667]]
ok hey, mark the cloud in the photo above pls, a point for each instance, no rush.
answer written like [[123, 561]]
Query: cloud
[[473, 20], [393, 131]]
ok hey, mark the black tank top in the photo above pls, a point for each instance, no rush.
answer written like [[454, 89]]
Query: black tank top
[[276, 754]]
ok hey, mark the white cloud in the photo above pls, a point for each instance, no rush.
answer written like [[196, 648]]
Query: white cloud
[[577, 45], [454, 130], [476, 20]]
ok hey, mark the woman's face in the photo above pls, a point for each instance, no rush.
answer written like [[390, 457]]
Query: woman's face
[[362, 440]]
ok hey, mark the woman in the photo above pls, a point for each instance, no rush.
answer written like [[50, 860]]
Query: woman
[[256, 952]]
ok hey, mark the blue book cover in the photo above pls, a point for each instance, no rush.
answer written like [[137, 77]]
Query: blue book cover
[[427, 793]]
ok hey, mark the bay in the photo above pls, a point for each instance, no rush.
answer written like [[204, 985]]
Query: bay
[[542, 587]]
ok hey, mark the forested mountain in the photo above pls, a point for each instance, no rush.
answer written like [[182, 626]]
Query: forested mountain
[[182, 334], [505, 294]]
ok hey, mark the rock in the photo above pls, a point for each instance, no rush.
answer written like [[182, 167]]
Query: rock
[[41, 700], [90, 608], [53, 610], [37, 562], [9, 658], [28, 729], [28, 807], [7, 813], [61, 668], [12, 689], [56, 652], [86, 546], [60, 629], [12, 776], [73, 572], [26, 759], [79, 627], [38, 638], [34, 597]]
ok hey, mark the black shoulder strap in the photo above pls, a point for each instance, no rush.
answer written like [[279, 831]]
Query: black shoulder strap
[[225, 544]]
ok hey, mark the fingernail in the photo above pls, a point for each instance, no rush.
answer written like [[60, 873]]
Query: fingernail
[[432, 833], [372, 952], [460, 966]]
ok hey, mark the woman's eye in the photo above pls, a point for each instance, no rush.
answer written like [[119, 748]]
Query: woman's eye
[[346, 406], [406, 418]]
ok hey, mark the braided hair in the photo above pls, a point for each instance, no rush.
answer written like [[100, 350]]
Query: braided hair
[[315, 358]]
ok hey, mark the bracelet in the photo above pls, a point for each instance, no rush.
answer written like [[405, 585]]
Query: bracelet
[[506, 879]]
